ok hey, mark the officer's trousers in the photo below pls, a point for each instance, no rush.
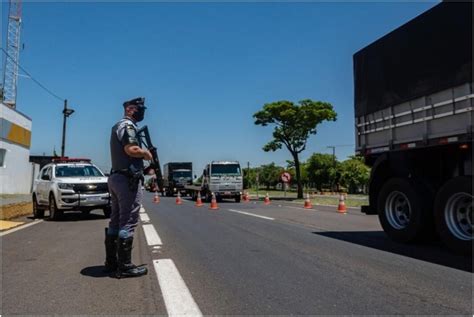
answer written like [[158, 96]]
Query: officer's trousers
[[125, 204]]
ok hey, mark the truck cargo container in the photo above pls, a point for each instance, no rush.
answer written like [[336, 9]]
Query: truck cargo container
[[413, 124]]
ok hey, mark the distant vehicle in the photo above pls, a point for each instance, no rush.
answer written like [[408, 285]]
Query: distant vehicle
[[70, 184], [414, 118], [176, 175], [221, 178]]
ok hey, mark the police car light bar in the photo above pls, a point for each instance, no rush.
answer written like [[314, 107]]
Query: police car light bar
[[71, 160]]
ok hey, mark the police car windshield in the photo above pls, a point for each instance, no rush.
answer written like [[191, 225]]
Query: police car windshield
[[77, 171], [225, 169]]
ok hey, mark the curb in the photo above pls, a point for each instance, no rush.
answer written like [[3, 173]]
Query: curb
[[12, 211]]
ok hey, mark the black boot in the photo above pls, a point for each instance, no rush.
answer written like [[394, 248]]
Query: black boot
[[125, 266], [110, 252]]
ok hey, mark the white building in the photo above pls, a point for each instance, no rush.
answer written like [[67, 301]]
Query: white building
[[16, 171]]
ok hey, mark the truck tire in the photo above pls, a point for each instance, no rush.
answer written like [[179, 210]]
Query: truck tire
[[453, 214], [54, 212], [403, 213], [208, 197], [237, 199], [38, 212]]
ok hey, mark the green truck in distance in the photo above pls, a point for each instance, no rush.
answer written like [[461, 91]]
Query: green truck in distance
[[177, 175]]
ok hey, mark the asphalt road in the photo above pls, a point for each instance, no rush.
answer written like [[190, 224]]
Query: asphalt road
[[244, 259]]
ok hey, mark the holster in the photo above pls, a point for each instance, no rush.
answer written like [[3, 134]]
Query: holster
[[133, 175]]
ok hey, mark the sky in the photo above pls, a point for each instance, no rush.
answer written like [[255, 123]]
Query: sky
[[204, 68]]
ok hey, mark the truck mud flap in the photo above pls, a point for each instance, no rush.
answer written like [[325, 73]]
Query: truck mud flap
[[368, 210]]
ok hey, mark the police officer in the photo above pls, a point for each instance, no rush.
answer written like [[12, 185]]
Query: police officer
[[125, 186]]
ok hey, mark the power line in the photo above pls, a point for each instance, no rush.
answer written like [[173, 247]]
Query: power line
[[32, 78]]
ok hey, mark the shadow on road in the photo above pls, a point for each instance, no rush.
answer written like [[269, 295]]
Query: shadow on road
[[78, 216], [95, 271], [432, 252]]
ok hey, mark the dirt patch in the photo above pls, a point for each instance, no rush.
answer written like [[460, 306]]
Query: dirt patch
[[15, 210]]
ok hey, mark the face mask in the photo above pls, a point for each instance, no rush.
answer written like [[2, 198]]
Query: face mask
[[139, 114]]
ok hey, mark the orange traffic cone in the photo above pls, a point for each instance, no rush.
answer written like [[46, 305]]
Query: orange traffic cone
[[247, 197], [156, 198], [178, 199], [266, 201], [342, 205], [213, 203], [199, 200], [307, 202]]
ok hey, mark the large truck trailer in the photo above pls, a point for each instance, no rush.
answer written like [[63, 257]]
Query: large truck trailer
[[413, 122]]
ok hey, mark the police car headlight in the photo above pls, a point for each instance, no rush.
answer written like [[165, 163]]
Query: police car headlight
[[65, 186]]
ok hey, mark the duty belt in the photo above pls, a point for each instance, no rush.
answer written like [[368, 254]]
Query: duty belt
[[133, 178], [125, 172]]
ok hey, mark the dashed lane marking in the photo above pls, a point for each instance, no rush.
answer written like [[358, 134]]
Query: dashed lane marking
[[250, 214], [177, 297], [144, 217], [152, 237], [142, 210], [20, 227]]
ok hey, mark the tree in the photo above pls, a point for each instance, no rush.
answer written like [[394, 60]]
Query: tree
[[270, 174], [354, 174], [321, 170], [294, 123]]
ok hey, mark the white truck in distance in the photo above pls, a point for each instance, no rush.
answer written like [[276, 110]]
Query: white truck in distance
[[221, 178]]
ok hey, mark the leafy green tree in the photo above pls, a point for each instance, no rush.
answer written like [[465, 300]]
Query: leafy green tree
[[354, 174], [250, 177], [294, 123], [269, 175], [321, 169]]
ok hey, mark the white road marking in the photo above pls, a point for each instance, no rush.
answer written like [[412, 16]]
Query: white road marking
[[20, 227], [144, 217], [250, 214], [152, 237], [177, 297], [142, 210]]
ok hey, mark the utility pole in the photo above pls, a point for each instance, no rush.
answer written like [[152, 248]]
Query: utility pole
[[66, 113], [333, 154], [248, 175], [333, 161]]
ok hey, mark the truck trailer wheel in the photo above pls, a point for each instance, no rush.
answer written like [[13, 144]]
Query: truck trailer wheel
[[403, 215], [453, 214]]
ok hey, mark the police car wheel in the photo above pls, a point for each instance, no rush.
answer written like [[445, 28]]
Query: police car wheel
[[37, 211], [107, 212], [54, 212]]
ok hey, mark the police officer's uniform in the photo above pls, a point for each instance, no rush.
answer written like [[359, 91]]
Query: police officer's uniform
[[125, 187]]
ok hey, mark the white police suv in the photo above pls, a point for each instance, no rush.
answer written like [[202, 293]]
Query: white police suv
[[70, 184]]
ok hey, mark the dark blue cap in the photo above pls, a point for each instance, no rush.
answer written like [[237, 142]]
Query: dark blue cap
[[140, 101]]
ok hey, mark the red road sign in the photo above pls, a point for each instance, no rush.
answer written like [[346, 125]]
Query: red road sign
[[285, 177]]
